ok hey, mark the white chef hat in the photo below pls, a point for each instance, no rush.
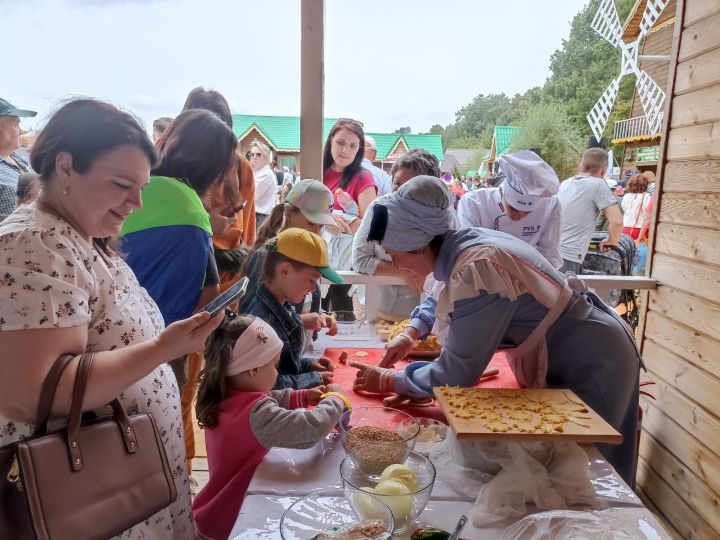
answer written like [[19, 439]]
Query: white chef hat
[[527, 180]]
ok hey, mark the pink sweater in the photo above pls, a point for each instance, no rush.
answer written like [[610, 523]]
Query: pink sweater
[[249, 423]]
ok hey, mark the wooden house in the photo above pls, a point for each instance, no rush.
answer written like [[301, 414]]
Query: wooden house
[[641, 146], [679, 466], [282, 135]]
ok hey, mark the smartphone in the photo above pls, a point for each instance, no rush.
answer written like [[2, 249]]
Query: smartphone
[[227, 298]]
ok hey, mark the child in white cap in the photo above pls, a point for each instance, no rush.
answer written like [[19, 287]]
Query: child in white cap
[[525, 205], [243, 418]]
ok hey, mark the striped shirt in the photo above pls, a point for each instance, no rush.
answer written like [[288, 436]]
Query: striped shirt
[[9, 174]]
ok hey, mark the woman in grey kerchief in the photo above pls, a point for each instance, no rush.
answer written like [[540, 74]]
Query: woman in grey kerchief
[[498, 292]]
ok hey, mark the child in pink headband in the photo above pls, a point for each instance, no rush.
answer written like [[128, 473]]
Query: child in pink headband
[[243, 418]]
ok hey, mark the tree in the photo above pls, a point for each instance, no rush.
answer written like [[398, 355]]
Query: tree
[[476, 160], [584, 66], [549, 128], [403, 130]]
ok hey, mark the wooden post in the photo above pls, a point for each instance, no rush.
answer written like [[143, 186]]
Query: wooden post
[[312, 78]]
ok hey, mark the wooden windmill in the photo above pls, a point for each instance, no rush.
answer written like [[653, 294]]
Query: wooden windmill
[[607, 24]]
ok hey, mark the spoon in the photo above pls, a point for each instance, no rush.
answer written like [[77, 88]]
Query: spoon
[[458, 528]]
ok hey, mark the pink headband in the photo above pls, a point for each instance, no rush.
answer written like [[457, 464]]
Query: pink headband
[[255, 347]]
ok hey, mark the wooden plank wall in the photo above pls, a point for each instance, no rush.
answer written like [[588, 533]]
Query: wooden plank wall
[[679, 465], [657, 42]]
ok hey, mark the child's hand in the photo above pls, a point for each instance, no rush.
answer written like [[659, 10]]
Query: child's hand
[[312, 321], [334, 388], [327, 376], [323, 364], [312, 395], [328, 321]]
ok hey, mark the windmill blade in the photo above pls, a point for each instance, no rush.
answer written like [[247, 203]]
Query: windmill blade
[[601, 111], [652, 12], [606, 22], [652, 98]]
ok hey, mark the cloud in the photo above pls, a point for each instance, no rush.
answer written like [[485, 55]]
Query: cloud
[[399, 63]]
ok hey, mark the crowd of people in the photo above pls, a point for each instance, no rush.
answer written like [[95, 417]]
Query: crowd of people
[[112, 243]]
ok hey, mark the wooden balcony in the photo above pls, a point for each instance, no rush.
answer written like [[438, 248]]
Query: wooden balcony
[[632, 130]]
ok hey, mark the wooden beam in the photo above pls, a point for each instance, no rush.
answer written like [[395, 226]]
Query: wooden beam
[[688, 523], [698, 72], [697, 107], [683, 481], [312, 87], [699, 279], [694, 346], [693, 243], [691, 209], [696, 384], [701, 37], [690, 310], [701, 141], [696, 456], [699, 9], [662, 159], [692, 176]]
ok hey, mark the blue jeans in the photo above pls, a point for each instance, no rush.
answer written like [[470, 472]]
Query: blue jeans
[[642, 250]]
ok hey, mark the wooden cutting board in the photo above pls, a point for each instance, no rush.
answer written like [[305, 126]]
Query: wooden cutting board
[[525, 414]]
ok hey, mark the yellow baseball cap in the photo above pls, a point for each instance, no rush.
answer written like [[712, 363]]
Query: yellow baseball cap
[[308, 248]]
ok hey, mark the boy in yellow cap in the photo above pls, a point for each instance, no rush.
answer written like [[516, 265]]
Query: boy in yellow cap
[[295, 262]]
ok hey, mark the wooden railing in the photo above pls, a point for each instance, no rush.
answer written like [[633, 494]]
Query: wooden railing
[[632, 127], [601, 284]]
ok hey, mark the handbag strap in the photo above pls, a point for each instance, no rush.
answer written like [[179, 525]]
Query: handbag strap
[[76, 408], [47, 393]]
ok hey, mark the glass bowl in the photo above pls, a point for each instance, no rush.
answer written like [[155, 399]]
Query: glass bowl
[[378, 436], [406, 505], [432, 432], [332, 512], [347, 322]]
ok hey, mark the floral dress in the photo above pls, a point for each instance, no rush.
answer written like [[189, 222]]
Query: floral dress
[[51, 277]]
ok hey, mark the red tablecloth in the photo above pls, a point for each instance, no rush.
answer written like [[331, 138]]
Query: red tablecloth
[[345, 375]]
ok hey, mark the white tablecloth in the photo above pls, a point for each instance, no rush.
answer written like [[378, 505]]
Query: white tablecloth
[[284, 475]]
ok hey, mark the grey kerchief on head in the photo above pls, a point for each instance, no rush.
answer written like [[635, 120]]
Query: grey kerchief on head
[[420, 210]]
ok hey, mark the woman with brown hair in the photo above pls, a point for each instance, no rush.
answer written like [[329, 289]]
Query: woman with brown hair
[[65, 290], [344, 176], [634, 204], [232, 217], [167, 241]]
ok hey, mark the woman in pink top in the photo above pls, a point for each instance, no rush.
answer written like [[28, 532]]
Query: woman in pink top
[[342, 170], [243, 418]]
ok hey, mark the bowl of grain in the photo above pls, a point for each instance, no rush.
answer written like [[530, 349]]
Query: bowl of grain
[[377, 437]]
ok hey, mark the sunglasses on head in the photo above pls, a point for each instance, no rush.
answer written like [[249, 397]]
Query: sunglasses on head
[[349, 121]]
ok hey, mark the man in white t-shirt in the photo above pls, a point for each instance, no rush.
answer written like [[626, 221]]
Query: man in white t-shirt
[[582, 198], [524, 205]]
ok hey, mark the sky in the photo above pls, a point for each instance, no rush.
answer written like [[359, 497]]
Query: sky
[[388, 63]]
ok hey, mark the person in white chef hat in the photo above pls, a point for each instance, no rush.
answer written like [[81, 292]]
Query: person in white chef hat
[[525, 205]]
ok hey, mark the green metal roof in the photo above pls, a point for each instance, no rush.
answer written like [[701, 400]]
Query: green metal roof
[[427, 141], [284, 134], [503, 137]]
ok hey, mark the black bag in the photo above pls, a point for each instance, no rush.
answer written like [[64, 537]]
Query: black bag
[[619, 261]]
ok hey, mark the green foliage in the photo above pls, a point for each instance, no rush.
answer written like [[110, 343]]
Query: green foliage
[[583, 68], [548, 128], [580, 72], [476, 160]]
